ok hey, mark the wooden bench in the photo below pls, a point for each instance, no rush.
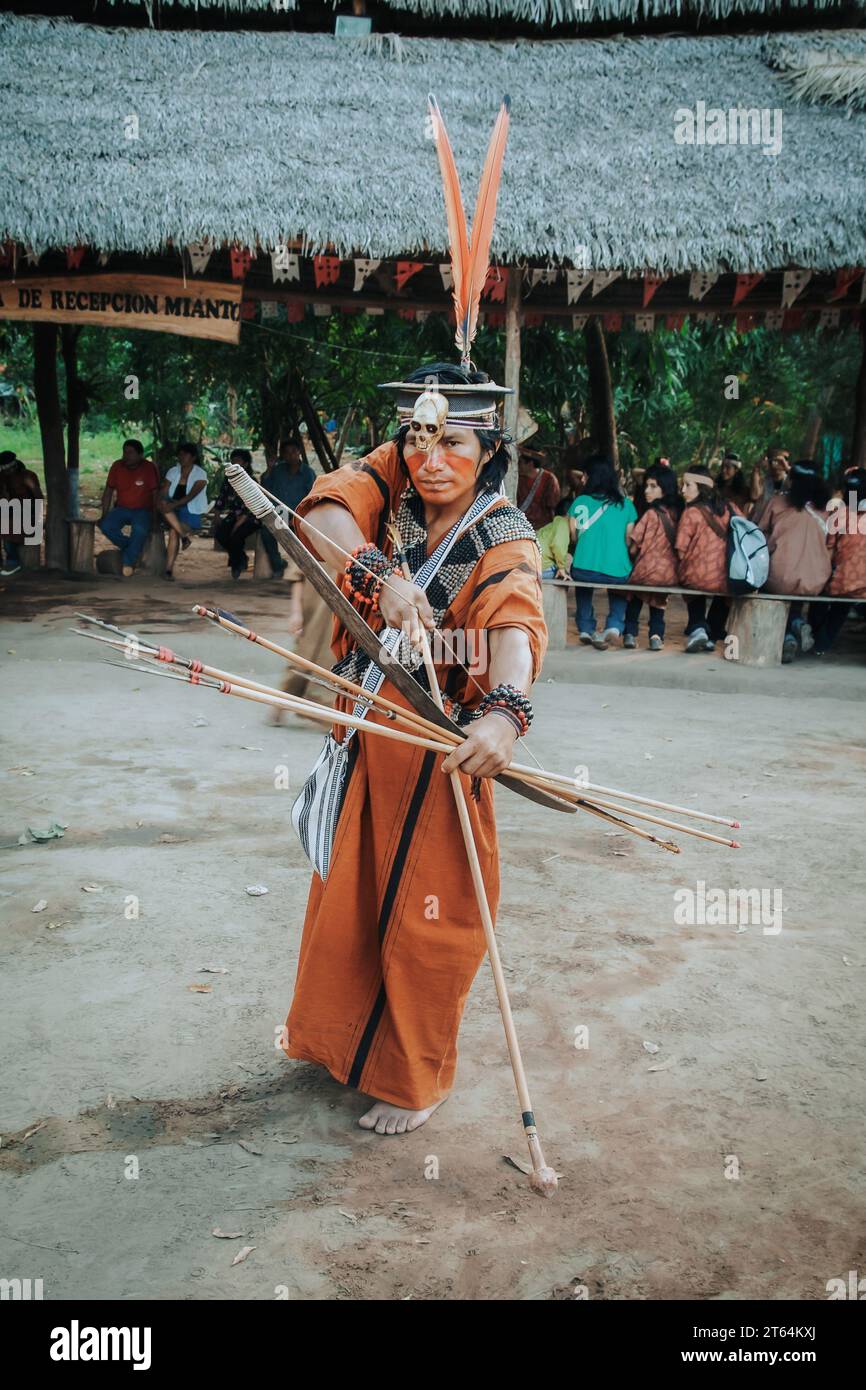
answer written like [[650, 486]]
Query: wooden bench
[[756, 622]]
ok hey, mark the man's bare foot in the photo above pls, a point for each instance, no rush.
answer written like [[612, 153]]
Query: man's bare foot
[[391, 1119]]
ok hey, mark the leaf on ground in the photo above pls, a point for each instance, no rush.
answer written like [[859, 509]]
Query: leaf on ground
[[213, 970], [242, 1254], [226, 1235], [663, 1066], [650, 1046], [36, 1129], [250, 1148], [200, 989], [22, 771], [33, 833], [92, 887], [40, 906], [200, 722], [348, 1215], [252, 748]]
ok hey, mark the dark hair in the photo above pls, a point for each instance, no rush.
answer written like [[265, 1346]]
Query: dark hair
[[562, 507], [601, 480], [244, 455], [666, 479], [134, 444], [708, 493], [855, 481], [735, 488], [493, 440], [807, 485], [190, 449]]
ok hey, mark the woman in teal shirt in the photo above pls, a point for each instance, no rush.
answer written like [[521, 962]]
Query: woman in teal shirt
[[604, 523]]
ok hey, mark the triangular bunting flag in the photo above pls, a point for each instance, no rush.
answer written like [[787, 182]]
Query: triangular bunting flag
[[674, 322], [240, 261], [579, 321], [745, 284], [322, 311], [422, 315], [494, 318], [270, 309], [326, 270], [773, 318], [495, 285], [601, 279], [373, 311], [447, 277], [285, 264], [829, 318], [793, 284], [650, 285], [577, 281], [248, 309], [533, 319], [644, 323], [104, 257], [295, 312], [745, 321], [31, 257], [844, 280], [543, 277], [407, 313], [363, 270], [74, 256], [704, 316], [405, 271], [700, 283], [612, 321], [200, 253], [792, 320]]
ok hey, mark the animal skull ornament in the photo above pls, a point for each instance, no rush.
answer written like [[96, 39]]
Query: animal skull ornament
[[428, 420]]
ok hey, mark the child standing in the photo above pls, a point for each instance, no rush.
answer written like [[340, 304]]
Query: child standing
[[652, 550], [702, 558]]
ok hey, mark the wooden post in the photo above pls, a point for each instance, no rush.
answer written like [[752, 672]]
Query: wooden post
[[53, 454], [512, 368], [758, 631], [600, 391], [81, 536], [69, 335], [318, 438], [858, 440], [555, 600]]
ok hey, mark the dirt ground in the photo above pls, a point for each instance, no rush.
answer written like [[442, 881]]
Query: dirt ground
[[139, 1115]]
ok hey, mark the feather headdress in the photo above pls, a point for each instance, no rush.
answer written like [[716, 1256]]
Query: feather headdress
[[470, 261]]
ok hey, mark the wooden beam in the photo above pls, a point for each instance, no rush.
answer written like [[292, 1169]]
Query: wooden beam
[[600, 392], [512, 368], [53, 453]]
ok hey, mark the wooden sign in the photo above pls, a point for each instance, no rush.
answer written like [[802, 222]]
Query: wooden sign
[[199, 309]]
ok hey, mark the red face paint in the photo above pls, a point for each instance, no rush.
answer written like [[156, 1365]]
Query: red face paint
[[443, 475]]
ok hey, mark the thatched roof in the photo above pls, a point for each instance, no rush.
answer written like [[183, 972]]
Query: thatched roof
[[546, 13], [252, 137]]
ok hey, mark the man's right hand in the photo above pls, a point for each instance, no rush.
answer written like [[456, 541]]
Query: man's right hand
[[404, 604]]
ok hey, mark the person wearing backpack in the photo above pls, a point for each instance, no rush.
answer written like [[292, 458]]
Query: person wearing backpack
[[652, 551], [701, 547], [605, 518], [795, 524]]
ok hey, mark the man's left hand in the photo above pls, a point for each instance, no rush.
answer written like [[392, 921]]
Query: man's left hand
[[487, 749]]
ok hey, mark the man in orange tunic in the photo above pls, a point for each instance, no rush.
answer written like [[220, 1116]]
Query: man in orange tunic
[[392, 938]]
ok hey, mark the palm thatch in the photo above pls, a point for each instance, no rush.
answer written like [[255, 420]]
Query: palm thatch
[[547, 13], [258, 138], [823, 67]]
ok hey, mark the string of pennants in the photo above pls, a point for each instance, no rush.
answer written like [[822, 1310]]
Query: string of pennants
[[286, 269]]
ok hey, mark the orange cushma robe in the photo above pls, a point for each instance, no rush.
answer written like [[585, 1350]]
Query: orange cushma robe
[[393, 939]]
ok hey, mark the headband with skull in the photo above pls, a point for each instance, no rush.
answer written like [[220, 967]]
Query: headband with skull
[[472, 405]]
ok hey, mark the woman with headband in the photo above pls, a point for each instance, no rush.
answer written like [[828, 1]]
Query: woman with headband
[[702, 558]]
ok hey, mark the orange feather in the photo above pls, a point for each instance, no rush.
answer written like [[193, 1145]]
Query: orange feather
[[482, 227], [458, 241]]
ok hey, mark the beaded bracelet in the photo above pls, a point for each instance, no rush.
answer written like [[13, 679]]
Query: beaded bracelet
[[365, 570], [519, 725], [508, 698]]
